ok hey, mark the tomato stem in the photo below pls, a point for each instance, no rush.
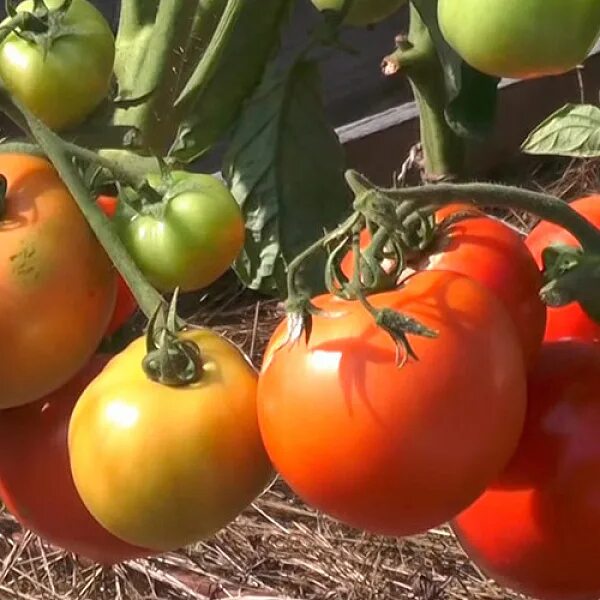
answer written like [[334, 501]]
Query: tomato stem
[[539, 204], [16, 22], [170, 360], [57, 152], [444, 151], [295, 266]]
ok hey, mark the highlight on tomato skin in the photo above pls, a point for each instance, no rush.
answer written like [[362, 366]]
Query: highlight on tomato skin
[[536, 530], [396, 451], [35, 477], [570, 321], [165, 466]]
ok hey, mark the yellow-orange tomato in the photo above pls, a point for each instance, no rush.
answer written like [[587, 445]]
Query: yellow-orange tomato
[[57, 285], [162, 467]]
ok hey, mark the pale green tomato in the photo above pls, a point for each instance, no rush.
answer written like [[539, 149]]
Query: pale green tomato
[[521, 39]]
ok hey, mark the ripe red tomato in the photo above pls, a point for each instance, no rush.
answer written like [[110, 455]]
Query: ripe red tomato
[[569, 321], [126, 303], [35, 477], [57, 285], [537, 529], [495, 255], [396, 450]]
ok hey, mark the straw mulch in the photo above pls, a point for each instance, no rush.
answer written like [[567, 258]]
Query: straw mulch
[[278, 548]]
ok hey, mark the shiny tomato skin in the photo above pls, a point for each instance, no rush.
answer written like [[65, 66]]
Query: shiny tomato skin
[[537, 529], [65, 84], [520, 40], [391, 450], [126, 304], [57, 285], [35, 476], [493, 254], [362, 12], [192, 240], [162, 467], [571, 321]]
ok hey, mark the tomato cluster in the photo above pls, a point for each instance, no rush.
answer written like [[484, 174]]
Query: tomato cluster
[[201, 457], [454, 396], [494, 427]]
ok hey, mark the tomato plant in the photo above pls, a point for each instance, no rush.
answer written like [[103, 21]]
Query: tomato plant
[[507, 39], [126, 304], [362, 12], [537, 528], [191, 238], [569, 321], [493, 254], [35, 476], [161, 466], [396, 450], [63, 72], [57, 284]]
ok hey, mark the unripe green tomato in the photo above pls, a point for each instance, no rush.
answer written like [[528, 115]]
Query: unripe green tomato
[[191, 238], [65, 84], [362, 12], [521, 39]]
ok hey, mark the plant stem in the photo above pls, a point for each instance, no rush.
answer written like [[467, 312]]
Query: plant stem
[[13, 23], [444, 151], [293, 268], [541, 205], [54, 148]]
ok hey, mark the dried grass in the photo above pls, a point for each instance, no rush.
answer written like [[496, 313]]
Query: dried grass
[[278, 548]]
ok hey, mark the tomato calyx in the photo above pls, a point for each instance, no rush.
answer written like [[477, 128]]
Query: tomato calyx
[[42, 25], [572, 275], [170, 360]]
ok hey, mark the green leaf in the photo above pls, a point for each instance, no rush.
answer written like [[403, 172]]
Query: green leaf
[[573, 130], [472, 112], [285, 168]]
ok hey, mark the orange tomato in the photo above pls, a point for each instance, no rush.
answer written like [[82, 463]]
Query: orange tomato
[[395, 450], [57, 285]]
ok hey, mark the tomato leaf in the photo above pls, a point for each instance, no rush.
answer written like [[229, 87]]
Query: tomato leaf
[[573, 130], [285, 167], [472, 112]]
